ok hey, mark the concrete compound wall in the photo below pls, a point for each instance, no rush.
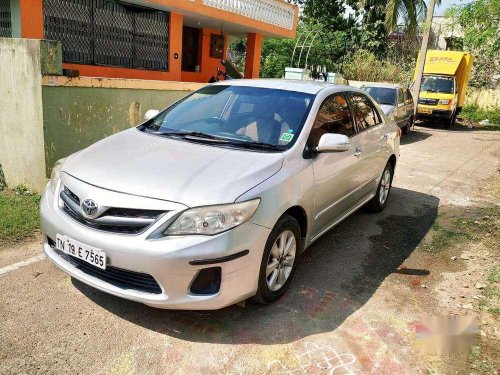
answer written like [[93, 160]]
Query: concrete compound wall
[[78, 112], [484, 99], [22, 154]]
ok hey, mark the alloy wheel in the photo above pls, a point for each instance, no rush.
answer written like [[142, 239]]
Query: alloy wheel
[[385, 186], [281, 260]]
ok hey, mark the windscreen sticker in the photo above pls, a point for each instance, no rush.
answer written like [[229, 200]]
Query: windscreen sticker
[[286, 137]]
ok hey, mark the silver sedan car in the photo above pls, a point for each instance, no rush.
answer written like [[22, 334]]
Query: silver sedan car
[[395, 100], [211, 201]]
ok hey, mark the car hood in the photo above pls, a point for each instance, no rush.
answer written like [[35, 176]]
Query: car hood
[[387, 108], [193, 174]]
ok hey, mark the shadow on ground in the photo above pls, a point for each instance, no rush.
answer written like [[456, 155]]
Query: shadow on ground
[[415, 135], [336, 276], [458, 127]]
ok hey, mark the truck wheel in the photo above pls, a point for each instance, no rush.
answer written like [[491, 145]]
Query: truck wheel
[[451, 121]]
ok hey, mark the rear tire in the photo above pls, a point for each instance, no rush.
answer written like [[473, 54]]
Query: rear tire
[[279, 261], [379, 201]]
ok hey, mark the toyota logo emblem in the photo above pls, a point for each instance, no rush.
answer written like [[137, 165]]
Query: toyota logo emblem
[[89, 207]]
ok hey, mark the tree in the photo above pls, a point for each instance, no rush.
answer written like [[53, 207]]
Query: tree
[[276, 56], [332, 14], [479, 22], [392, 11]]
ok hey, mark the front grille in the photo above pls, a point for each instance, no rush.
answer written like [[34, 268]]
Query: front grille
[[72, 195], [427, 101], [133, 213], [116, 219], [118, 277]]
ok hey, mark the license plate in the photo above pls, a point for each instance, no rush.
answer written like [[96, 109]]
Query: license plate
[[81, 251], [425, 110]]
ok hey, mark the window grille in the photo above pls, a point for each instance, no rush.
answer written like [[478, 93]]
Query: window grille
[[5, 23], [108, 33]]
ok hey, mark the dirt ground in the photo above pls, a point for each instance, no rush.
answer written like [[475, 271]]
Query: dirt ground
[[352, 308]]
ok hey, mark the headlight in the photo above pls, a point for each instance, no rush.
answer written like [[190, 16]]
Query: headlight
[[445, 101], [54, 176], [212, 220]]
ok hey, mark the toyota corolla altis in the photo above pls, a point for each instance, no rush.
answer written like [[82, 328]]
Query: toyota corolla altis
[[211, 201]]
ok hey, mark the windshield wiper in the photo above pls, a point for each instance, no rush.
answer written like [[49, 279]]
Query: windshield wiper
[[256, 145], [191, 134], [224, 140]]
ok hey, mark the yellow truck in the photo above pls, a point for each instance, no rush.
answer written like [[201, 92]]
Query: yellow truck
[[444, 84]]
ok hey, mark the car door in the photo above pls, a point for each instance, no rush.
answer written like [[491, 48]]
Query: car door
[[336, 175], [370, 138]]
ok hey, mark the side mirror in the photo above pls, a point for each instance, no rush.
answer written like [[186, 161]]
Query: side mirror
[[333, 143], [223, 62], [150, 114]]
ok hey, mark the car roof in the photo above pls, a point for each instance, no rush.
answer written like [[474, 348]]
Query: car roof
[[386, 85], [308, 87]]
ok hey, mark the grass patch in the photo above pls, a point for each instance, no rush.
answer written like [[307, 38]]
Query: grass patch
[[474, 114], [443, 238], [19, 216], [452, 229], [479, 363], [491, 302]]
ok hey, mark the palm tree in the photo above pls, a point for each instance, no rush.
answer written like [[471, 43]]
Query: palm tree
[[392, 11]]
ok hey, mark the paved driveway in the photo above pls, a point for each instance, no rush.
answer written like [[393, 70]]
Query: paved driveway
[[350, 308]]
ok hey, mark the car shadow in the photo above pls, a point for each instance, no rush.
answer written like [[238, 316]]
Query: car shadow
[[336, 276], [415, 135], [458, 127]]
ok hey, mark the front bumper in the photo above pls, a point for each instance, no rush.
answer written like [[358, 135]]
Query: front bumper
[[434, 113], [166, 259]]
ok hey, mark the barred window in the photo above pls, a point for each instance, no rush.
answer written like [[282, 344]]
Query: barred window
[[108, 33], [5, 23]]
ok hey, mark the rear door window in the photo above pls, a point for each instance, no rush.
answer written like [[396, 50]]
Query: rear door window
[[364, 112]]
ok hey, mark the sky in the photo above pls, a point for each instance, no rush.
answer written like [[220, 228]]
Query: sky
[[445, 4]]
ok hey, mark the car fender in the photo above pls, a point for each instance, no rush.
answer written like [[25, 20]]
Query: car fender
[[292, 186]]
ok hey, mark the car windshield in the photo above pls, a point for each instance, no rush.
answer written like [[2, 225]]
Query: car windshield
[[236, 115], [383, 95], [437, 84]]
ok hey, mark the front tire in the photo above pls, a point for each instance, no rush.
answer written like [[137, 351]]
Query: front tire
[[408, 126], [451, 121], [279, 261], [379, 201]]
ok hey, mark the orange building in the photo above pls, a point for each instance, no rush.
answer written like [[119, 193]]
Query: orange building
[[175, 40]]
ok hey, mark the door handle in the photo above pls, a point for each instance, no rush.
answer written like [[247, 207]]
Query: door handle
[[358, 151]]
